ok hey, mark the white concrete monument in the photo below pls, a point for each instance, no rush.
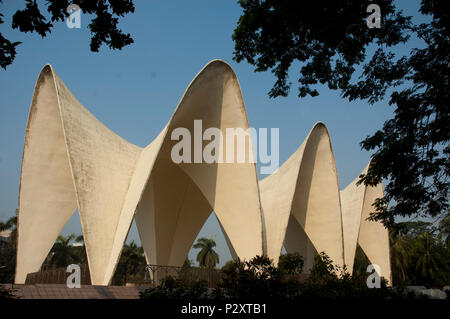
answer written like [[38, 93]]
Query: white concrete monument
[[72, 161]]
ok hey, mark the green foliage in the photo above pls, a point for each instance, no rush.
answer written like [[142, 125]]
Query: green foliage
[[260, 279], [172, 288], [412, 149], [399, 247], [444, 230], [206, 257], [257, 278], [228, 265], [11, 224], [291, 263], [63, 253], [8, 251], [131, 265], [329, 40], [427, 262], [80, 250], [332, 282], [419, 256], [104, 24], [7, 263], [323, 268]]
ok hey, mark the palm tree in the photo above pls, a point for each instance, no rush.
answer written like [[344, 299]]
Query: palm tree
[[206, 257], [8, 252], [131, 261], [399, 256], [11, 224], [444, 227], [62, 252], [428, 263], [80, 250]]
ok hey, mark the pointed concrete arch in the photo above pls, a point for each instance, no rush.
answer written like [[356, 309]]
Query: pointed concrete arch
[[372, 237], [306, 188], [71, 160], [228, 189], [45, 172]]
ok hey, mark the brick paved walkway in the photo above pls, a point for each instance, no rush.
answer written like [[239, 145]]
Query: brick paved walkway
[[59, 291]]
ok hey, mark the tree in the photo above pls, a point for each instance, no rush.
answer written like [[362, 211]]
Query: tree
[[80, 251], [253, 279], [330, 41], [400, 256], [229, 265], [176, 288], [62, 253], [415, 228], [428, 263], [131, 264], [11, 224], [419, 256], [8, 251], [258, 278], [444, 229], [103, 26], [291, 263], [206, 257]]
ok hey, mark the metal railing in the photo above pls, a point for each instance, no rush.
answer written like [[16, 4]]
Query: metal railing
[[152, 275], [187, 275], [57, 276]]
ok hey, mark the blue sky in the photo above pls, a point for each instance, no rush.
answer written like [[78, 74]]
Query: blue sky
[[135, 91]]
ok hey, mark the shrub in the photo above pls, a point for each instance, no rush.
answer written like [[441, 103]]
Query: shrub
[[171, 288], [291, 263]]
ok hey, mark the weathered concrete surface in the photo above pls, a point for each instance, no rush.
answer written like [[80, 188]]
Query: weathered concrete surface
[[372, 237], [306, 188]]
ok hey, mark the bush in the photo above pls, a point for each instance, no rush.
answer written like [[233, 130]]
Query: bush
[[258, 278], [7, 263], [291, 263], [171, 288]]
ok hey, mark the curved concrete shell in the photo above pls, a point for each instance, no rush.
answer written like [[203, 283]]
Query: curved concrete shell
[[372, 237], [305, 189], [72, 161]]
